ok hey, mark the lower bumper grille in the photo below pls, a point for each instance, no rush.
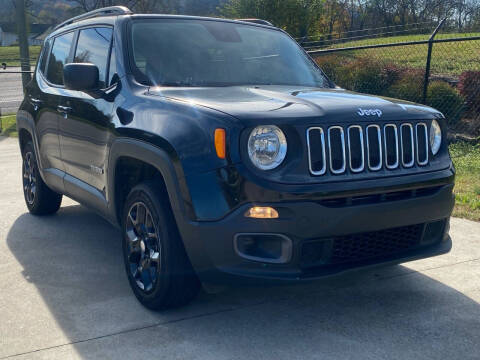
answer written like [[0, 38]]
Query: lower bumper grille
[[359, 247]]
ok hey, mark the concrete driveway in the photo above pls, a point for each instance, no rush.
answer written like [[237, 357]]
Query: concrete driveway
[[64, 294]]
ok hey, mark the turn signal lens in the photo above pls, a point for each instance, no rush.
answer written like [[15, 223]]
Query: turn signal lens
[[220, 146], [259, 212]]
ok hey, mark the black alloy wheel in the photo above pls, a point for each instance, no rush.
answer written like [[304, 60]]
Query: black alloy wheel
[[144, 251], [29, 178], [40, 199], [158, 268]]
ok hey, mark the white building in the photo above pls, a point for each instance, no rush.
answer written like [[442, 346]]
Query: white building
[[9, 36]]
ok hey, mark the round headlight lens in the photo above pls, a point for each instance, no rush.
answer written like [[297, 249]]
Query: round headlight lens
[[267, 147], [435, 137]]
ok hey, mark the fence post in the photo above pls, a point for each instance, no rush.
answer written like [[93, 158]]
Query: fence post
[[23, 42], [429, 59]]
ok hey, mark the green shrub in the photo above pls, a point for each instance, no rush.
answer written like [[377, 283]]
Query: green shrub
[[363, 75], [409, 86], [331, 64], [391, 74], [469, 88], [445, 98]]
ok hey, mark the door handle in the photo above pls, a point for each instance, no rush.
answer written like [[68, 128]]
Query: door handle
[[64, 109], [36, 103]]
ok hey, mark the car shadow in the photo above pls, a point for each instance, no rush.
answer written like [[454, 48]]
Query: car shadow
[[74, 261]]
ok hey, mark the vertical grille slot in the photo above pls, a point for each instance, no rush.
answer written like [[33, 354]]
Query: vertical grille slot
[[336, 144], [390, 136], [374, 147], [422, 144], [316, 151], [355, 148], [407, 142]]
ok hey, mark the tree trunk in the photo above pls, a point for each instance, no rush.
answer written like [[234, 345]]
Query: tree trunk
[[23, 42]]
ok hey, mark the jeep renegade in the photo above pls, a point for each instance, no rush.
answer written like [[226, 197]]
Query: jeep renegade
[[225, 154]]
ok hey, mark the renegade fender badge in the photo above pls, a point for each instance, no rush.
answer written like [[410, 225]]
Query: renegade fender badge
[[369, 112]]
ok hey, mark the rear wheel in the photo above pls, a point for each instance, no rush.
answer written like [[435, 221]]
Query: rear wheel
[[40, 199], [156, 263]]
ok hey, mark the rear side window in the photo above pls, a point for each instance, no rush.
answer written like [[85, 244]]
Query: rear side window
[[58, 58], [92, 47], [43, 60]]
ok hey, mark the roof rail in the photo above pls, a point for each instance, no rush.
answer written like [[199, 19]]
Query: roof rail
[[106, 11], [256, 21]]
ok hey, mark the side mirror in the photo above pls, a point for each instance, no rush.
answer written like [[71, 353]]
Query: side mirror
[[81, 76]]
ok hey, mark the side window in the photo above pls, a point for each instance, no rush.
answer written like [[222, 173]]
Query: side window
[[113, 65], [58, 58], [43, 60], [92, 47]]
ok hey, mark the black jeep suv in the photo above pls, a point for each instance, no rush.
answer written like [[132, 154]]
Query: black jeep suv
[[224, 154]]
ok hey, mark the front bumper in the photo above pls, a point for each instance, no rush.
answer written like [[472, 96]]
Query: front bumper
[[210, 245]]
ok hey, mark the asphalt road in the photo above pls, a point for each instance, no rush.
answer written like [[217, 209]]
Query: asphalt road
[[11, 93], [64, 294]]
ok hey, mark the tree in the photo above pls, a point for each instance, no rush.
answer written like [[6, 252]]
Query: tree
[[142, 6], [297, 17]]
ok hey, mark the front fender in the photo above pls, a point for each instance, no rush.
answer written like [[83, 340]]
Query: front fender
[[163, 159]]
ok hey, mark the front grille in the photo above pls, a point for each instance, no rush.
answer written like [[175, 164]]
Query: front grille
[[407, 145], [372, 147], [360, 247], [336, 147], [422, 144], [390, 135]]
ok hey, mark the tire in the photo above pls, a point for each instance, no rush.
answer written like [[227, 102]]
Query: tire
[[40, 199], [157, 266]]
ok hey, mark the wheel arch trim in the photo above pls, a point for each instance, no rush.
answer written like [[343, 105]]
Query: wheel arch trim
[[25, 122], [167, 165]]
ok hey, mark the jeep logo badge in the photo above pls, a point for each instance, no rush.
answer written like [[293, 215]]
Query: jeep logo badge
[[369, 112]]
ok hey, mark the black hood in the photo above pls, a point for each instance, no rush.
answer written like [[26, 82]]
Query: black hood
[[286, 102]]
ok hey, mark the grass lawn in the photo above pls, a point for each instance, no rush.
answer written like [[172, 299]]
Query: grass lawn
[[403, 38], [11, 55], [450, 58], [466, 158], [8, 126]]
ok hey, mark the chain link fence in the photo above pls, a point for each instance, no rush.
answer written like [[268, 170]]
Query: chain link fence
[[443, 73], [385, 66]]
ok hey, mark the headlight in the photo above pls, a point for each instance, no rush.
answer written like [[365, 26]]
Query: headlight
[[267, 147], [435, 137]]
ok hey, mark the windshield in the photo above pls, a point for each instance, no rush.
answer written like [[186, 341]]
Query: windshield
[[186, 52]]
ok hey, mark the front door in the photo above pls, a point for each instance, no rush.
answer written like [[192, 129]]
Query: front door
[[85, 127], [45, 95]]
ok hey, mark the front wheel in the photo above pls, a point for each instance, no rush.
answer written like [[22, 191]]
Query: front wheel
[[156, 263], [40, 199]]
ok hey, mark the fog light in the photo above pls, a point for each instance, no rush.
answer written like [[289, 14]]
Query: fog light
[[262, 212], [266, 248]]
